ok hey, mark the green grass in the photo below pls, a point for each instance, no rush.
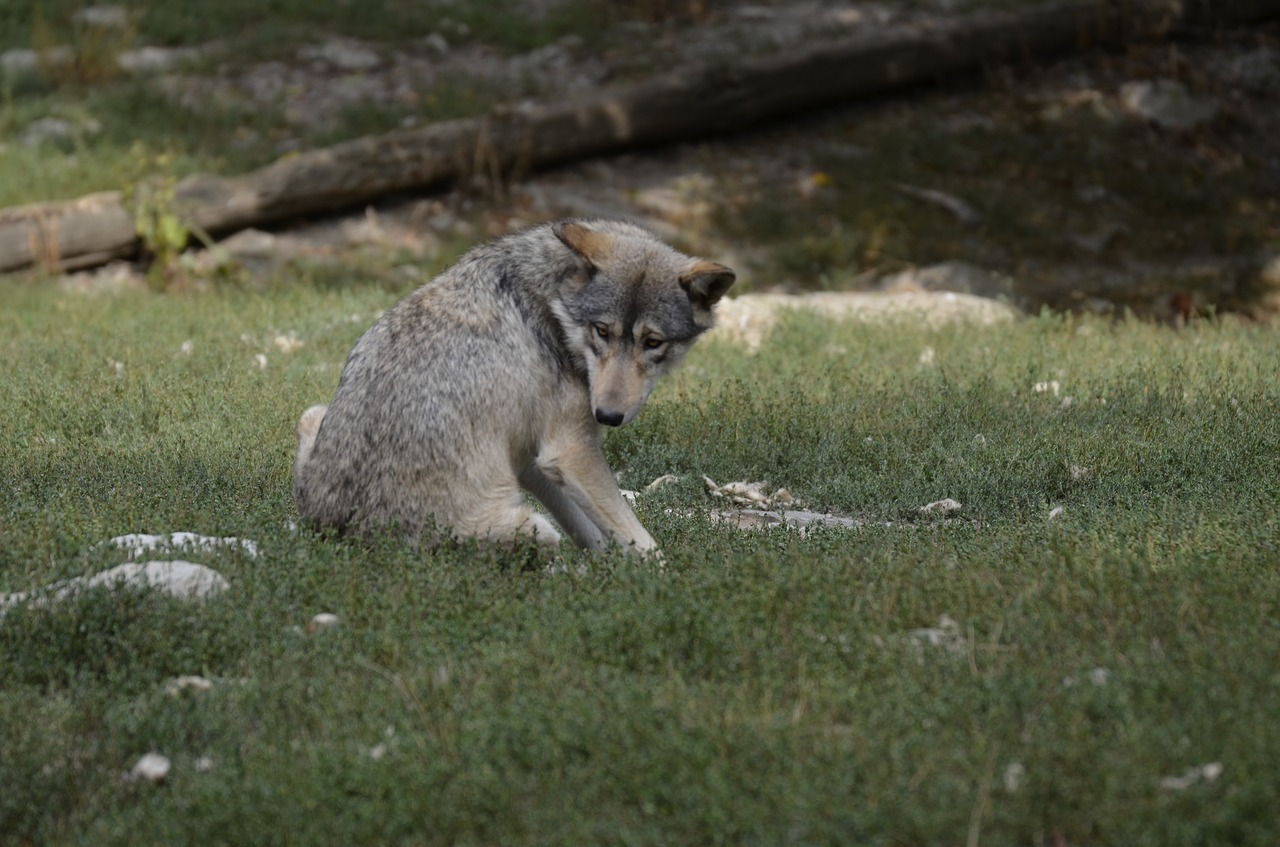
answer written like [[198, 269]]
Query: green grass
[[763, 690]]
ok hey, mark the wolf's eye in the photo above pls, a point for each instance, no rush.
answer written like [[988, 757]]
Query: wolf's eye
[[653, 343], [602, 330]]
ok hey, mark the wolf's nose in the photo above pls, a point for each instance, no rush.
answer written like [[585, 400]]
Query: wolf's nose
[[609, 418]]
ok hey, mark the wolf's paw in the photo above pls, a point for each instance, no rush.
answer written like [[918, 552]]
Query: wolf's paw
[[542, 530]]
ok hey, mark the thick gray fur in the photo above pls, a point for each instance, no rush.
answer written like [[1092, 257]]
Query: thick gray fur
[[495, 377]]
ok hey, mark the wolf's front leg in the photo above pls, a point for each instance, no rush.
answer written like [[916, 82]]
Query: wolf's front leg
[[575, 471], [572, 519]]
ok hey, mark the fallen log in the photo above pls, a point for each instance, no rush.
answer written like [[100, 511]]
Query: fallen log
[[687, 103]]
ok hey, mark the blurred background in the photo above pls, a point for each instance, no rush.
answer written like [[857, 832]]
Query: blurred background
[[1138, 171]]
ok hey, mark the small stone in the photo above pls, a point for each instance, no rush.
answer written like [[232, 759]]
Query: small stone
[[204, 764], [1014, 773], [954, 276], [1167, 103], [1208, 773], [19, 61], [943, 507], [963, 212], [344, 54], [156, 60], [437, 44], [946, 635], [187, 685], [102, 17], [1257, 70], [1056, 512], [322, 622], [288, 343], [152, 767]]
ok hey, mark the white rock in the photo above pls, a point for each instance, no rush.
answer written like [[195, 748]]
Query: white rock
[[152, 767], [944, 507], [1207, 773], [322, 622], [251, 244], [157, 59], [184, 580], [344, 54], [1257, 70], [1014, 773], [945, 635], [1167, 103], [747, 319], [964, 212], [19, 61], [288, 343], [138, 543], [1056, 512], [103, 17], [954, 276], [187, 684], [437, 44]]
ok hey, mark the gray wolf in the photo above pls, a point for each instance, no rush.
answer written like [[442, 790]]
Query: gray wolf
[[494, 378]]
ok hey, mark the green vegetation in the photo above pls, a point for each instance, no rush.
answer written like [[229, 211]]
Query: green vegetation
[[765, 688]]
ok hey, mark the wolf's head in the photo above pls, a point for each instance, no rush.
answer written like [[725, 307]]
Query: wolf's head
[[631, 310]]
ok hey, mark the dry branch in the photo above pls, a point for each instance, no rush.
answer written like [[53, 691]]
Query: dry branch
[[688, 103]]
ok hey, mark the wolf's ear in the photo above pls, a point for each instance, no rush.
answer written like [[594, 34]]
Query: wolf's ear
[[593, 247], [706, 283]]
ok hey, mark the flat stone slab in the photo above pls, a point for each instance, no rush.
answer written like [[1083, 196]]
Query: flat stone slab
[[184, 580], [748, 319]]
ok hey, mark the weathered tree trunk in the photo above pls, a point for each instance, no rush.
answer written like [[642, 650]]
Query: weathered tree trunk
[[688, 103]]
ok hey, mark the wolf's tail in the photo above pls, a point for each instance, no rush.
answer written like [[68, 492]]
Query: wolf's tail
[[308, 427]]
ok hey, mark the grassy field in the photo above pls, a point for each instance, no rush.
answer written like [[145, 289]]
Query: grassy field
[[765, 689]]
